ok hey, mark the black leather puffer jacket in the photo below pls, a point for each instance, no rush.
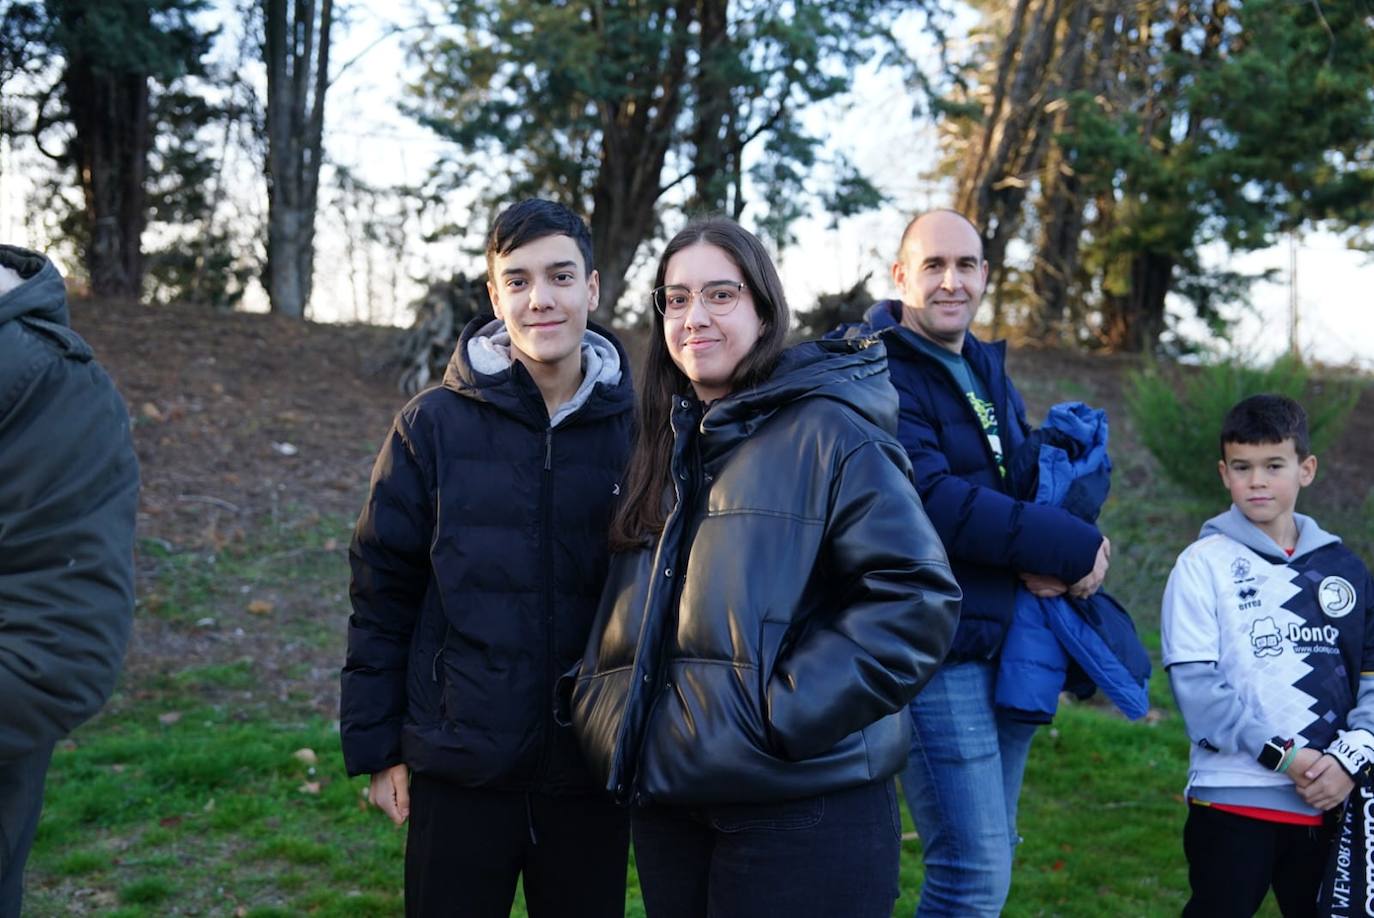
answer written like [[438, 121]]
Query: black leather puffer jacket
[[766, 647]]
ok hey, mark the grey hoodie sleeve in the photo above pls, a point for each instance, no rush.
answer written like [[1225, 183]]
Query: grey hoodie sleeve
[[1213, 712], [68, 496]]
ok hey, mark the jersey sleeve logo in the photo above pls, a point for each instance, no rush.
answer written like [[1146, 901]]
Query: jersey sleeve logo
[[1336, 596]]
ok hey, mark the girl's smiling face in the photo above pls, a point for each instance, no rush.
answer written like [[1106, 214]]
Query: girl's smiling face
[[708, 348]]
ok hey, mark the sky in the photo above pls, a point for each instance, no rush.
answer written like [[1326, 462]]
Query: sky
[[366, 132]]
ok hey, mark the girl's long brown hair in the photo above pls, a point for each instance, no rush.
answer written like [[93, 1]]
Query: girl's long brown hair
[[641, 514]]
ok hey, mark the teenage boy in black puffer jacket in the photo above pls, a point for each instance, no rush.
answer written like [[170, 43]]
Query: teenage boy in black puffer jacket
[[477, 565]]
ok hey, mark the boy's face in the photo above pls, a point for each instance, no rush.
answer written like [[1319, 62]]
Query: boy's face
[[543, 294], [1264, 480]]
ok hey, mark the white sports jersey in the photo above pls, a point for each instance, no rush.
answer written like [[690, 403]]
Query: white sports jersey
[[1289, 636]]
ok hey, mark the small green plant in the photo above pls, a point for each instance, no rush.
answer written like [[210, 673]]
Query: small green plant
[[1179, 417]]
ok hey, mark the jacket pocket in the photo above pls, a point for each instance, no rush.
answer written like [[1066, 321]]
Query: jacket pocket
[[772, 640], [436, 675], [787, 816]]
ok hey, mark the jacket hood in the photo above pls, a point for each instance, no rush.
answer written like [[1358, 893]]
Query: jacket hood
[[1234, 525], [42, 295], [883, 314], [482, 368], [852, 371]]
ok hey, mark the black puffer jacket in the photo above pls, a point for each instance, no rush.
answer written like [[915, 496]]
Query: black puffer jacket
[[477, 564], [767, 646]]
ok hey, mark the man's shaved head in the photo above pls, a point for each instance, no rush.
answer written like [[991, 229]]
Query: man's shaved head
[[911, 228]]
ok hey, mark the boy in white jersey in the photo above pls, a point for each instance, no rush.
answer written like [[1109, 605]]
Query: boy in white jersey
[[1268, 639]]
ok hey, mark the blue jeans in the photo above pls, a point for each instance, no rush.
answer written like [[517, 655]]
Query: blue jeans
[[818, 857], [961, 785]]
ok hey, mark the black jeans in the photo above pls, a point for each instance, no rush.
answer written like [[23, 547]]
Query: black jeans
[[467, 846], [1233, 860], [823, 856]]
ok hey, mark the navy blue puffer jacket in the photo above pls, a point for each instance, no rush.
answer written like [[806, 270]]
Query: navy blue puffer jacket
[[989, 535], [477, 565]]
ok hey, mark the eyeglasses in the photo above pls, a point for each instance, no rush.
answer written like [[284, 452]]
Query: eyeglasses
[[717, 298]]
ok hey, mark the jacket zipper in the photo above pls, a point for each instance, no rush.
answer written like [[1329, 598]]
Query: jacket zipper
[[669, 631], [544, 765]]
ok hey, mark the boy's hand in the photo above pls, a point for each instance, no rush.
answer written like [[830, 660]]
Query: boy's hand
[[1043, 585], [1297, 769], [1092, 581], [390, 792], [1328, 784]]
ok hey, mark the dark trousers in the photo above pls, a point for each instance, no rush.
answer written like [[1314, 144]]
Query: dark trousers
[[824, 856], [1234, 860], [467, 846], [21, 799]]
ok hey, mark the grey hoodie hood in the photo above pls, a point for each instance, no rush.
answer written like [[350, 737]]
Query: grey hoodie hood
[[42, 295], [488, 352], [1234, 525]]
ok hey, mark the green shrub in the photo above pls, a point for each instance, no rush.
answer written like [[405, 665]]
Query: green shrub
[[1179, 416]]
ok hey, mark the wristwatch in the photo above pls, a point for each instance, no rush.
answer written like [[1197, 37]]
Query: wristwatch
[[1275, 752]]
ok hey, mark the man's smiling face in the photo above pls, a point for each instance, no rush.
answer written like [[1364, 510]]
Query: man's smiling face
[[941, 274]]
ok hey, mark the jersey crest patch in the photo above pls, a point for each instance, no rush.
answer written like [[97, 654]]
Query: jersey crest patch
[[1336, 596]]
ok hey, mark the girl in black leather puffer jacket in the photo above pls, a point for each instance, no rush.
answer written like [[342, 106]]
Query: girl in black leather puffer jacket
[[776, 598]]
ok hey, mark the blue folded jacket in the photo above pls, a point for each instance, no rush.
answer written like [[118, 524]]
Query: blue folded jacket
[[1065, 643]]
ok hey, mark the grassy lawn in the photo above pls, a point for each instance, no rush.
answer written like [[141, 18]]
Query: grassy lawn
[[217, 788], [220, 812]]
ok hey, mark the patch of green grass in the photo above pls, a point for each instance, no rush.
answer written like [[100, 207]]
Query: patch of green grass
[[210, 796], [296, 850], [238, 675], [146, 891], [191, 586], [82, 862]]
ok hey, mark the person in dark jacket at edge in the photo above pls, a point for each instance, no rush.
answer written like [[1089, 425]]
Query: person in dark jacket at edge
[[776, 598], [476, 567], [68, 499], [961, 422]]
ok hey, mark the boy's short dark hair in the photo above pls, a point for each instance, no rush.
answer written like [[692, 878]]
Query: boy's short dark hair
[[532, 219], [1266, 419]]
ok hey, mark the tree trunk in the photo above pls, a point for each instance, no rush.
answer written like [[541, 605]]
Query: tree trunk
[[1014, 137], [1137, 319], [297, 78], [635, 141], [1061, 202], [110, 150], [1056, 263], [712, 131]]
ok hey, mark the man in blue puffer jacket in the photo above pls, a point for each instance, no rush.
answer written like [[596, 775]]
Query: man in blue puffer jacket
[[477, 565], [960, 415]]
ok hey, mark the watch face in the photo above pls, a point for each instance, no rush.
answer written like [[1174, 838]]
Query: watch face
[[1271, 756]]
